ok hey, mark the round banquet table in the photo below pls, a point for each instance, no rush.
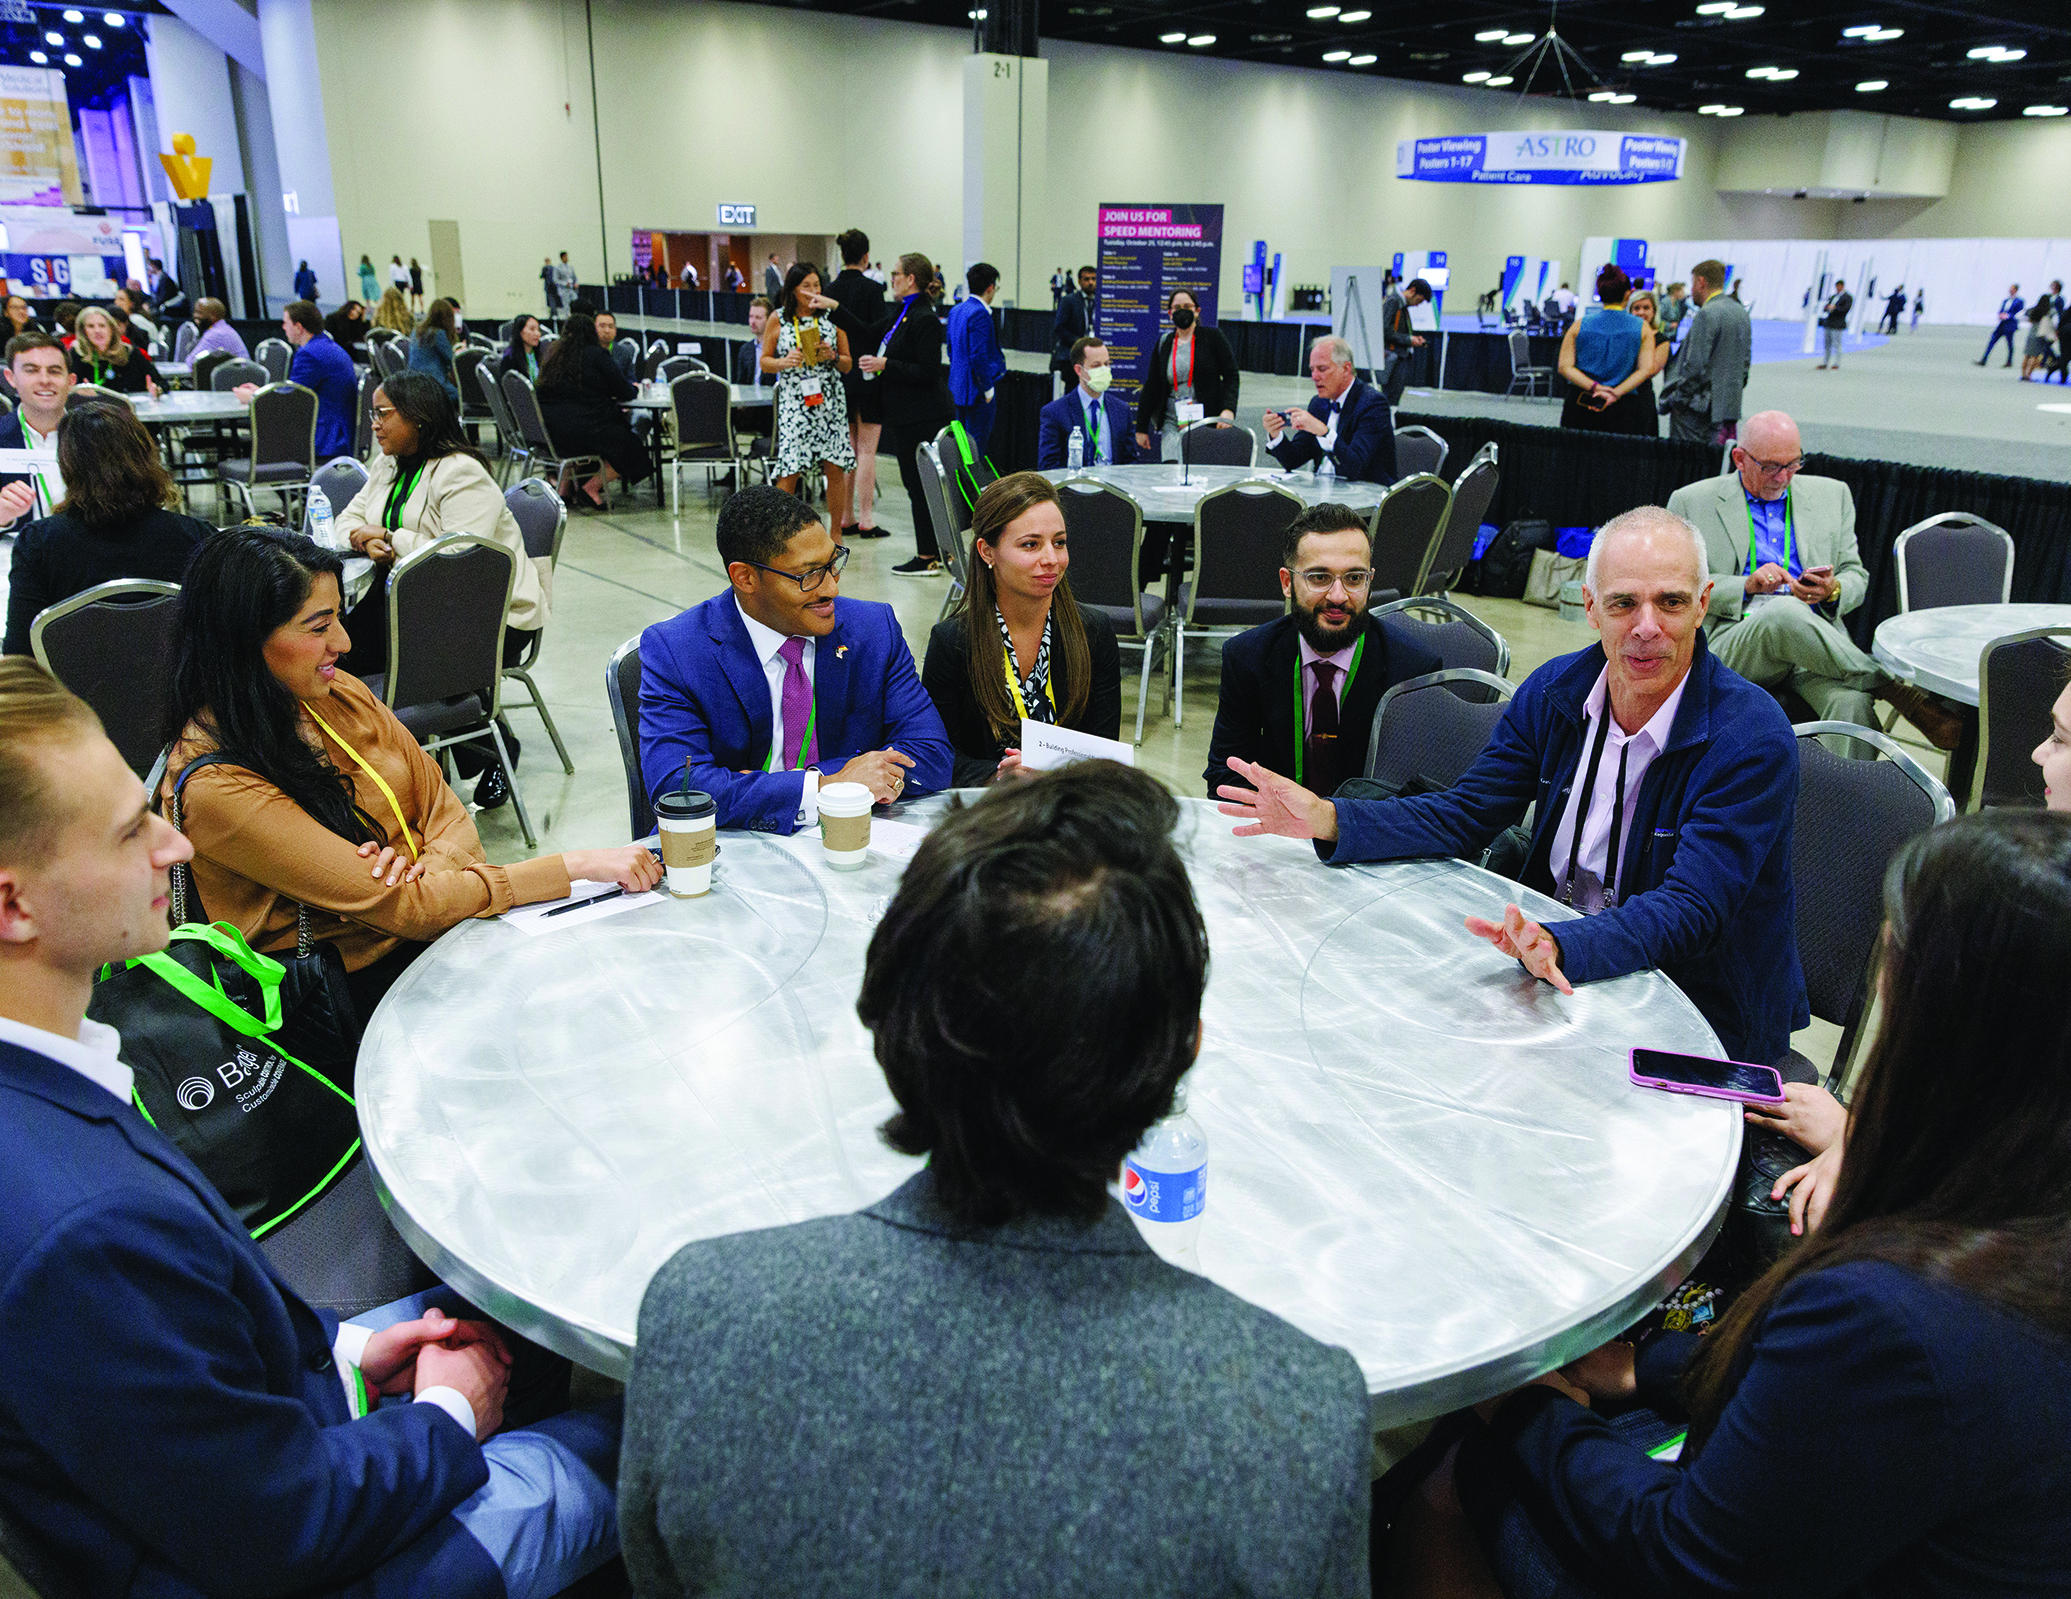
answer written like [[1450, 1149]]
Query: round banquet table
[[1165, 498], [188, 406], [1938, 650], [1415, 1150]]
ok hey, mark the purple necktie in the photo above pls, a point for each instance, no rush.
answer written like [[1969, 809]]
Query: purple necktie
[[798, 709]]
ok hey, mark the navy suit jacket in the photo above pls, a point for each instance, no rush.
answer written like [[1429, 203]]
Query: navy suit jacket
[[1366, 436], [1059, 417], [1707, 850], [975, 362], [171, 1419], [703, 698], [323, 365]]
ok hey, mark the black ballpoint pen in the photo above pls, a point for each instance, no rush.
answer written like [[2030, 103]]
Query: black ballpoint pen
[[563, 910]]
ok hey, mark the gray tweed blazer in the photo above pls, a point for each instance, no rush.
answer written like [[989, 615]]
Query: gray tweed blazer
[[888, 1404]]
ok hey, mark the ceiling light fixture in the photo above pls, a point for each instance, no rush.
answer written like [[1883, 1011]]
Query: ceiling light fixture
[[1503, 82], [1715, 8], [1172, 38], [1872, 86], [1742, 14], [1201, 41], [1635, 55], [1318, 13], [1354, 16], [1973, 102], [73, 61], [1346, 55], [1519, 38], [1885, 35], [1720, 110], [1599, 96], [2047, 111], [1862, 30], [1475, 77], [1623, 99], [1362, 61], [1664, 59], [93, 41], [1490, 35], [75, 16], [53, 38], [1996, 53], [114, 19], [39, 58], [1731, 110]]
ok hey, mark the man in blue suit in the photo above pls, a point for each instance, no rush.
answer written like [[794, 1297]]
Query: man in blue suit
[[174, 1419], [321, 364], [777, 685], [1102, 418], [1681, 860], [1347, 422], [975, 362], [2008, 325]]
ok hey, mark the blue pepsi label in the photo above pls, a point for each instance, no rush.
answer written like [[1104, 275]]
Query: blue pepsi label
[[1164, 1195]]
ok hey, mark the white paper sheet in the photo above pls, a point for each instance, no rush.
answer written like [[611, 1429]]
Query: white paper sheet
[[533, 919], [1044, 746]]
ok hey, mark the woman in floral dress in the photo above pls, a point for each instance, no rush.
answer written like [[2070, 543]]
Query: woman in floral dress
[[808, 353]]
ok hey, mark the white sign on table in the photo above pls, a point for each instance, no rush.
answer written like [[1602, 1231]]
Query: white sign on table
[[1045, 747], [40, 467]]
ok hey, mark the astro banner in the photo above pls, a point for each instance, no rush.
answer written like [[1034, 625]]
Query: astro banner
[[1545, 157], [1147, 254]]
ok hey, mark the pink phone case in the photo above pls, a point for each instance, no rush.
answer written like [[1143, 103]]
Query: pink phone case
[[1734, 1094]]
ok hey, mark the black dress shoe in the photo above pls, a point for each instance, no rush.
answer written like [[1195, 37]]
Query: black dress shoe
[[493, 789]]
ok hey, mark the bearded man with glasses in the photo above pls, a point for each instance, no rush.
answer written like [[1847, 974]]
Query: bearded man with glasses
[[1785, 570], [1299, 692], [776, 684]]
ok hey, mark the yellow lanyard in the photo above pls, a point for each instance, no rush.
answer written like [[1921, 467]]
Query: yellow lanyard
[[1014, 686], [380, 782]]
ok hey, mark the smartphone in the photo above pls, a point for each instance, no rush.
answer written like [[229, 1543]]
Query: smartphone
[[1714, 1079]]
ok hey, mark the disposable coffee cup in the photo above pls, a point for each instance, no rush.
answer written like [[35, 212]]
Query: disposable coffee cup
[[845, 824], [689, 825]]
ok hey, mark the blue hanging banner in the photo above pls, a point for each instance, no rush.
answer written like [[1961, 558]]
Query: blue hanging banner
[[1542, 157]]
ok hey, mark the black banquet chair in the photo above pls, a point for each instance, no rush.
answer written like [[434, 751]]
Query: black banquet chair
[[1210, 442], [104, 643], [1426, 734], [1953, 558], [1105, 527], [622, 693], [233, 374], [283, 454], [1418, 449], [1240, 535], [1474, 491], [2019, 679], [1404, 529], [542, 520], [1449, 631]]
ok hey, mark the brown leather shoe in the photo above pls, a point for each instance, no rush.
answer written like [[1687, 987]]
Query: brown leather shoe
[[1942, 726]]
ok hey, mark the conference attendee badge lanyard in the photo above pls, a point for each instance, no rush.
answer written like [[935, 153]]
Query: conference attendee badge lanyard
[[1300, 718], [1790, 536], [380, 782], [1177, 381], [892, 332], [812, 720], [398, 497], [1008, 665], [1596, 755]]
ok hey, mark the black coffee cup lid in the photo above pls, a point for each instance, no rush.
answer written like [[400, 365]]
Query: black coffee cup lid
[[684, 804]]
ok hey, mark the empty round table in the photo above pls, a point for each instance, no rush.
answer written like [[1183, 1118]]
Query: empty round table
[[1415, 1150], [188, 406], [1169, 493], [1938, 650]]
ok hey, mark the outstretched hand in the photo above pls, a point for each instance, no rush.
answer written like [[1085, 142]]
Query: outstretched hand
[[1527, 942], [1276, 804]]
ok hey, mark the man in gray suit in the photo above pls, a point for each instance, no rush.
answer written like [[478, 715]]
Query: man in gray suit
[[986, 1383], [1784, 571], [1702, 397]]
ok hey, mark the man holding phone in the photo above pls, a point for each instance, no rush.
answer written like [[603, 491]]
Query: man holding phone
[[1785, 569]]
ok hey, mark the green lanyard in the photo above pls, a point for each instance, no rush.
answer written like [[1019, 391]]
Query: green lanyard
[[812, 720], [1790, 536], [1300, 739], [398, 497]]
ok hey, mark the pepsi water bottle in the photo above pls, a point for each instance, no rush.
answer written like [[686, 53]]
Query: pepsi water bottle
[[1165, 1184], [319, 519], [1075, 449]]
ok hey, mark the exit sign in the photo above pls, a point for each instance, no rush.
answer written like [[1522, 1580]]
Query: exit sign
[[737, 216]]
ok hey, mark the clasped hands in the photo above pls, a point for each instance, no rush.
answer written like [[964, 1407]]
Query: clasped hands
[[437, 1351], [1279, 805]]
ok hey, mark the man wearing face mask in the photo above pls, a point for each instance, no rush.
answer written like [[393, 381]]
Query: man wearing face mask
[[1348, 422], [1299, 692], [1101, 418]]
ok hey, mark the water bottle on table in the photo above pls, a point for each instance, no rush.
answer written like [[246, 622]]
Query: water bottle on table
[[1075, 449], [319, 520], [1327, 475], [1165, 1184]]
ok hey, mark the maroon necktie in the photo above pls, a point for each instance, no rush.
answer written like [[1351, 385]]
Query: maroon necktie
[[1320, 760]]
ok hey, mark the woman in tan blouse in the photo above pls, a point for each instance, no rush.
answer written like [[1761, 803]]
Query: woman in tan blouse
[[321, 798]]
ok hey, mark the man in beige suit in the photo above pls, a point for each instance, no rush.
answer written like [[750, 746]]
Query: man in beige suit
[[1785, 569]]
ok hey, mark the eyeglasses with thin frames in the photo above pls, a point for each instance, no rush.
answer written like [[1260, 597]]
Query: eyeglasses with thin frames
[[1318, 581], [1774, 468], [812, 577]]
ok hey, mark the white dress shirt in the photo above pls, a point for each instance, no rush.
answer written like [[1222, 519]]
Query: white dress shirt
[[1638, 751], [767, 641], [1100, 451], [95, 1055], [1341, 659]]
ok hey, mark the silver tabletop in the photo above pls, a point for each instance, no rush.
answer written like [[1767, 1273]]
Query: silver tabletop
[[1938, 650], [186, 406], [1166, 498], [740, 394], [1416, 1151], [175, 369]]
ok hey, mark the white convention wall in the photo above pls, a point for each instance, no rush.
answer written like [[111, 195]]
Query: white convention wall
[[1965, 279]]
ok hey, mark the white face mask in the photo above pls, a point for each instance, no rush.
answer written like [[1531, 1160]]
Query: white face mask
[[1099, 377]]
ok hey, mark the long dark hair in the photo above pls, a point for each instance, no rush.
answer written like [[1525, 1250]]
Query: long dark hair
[[1958, 1161], [516, 350], [1072, 665], [787, 301], [564, 361], [438, 319], [110, 465], [422, 401], [241, 585]]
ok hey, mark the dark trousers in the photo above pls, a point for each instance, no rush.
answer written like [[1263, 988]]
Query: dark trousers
[[2005, 330], [977, 420], [1696, 427], [905, 440]]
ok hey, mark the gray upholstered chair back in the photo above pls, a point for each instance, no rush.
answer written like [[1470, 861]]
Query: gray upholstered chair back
[[651, 362], [950, 538], [1105, 529], [112, 646], [391, 356], [961, 483], [491, 390], [446, 605], [1474, 491], [704, 416], [1453, 633], [1405, 529], [2019, 679], [672, 367], [523, 404], [184, 341], [274, 355], [622, 691], [232, 374], [542, 517], [1240, 534], [466, 363], [1852, 816], [1424, 731], [340, 479], [283, 433], [1418, 449], [1210, 443], [626, 349], [1953, 558], [363, 425], [205, 365]]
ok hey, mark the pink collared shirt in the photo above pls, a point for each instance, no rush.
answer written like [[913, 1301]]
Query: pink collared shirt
[[1638, 751], [1341, 659]]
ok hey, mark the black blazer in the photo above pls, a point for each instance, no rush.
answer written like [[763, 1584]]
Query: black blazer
[[915, 380], [1069, 323], [59, 557], [1254, 719], [946, 675], [862, 300], [127, 378], [1215, 378], [595, 389]]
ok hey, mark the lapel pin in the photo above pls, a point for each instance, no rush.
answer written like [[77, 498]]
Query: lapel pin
[[840, 650]]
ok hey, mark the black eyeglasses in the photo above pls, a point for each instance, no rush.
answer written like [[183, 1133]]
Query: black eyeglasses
[[811, 578]]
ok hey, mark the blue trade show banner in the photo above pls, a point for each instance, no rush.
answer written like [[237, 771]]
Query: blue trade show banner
[[1546, 157], [1148, 253]]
